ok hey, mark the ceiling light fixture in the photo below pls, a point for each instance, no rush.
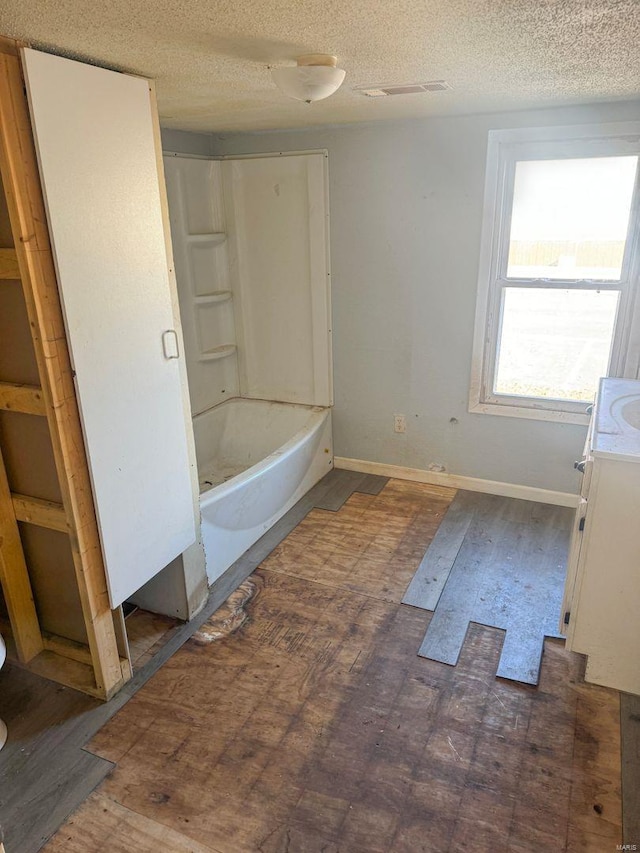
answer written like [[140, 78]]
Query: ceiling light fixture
[[314, 77]]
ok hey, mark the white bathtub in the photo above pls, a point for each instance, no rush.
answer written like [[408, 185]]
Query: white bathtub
[[256, 459]]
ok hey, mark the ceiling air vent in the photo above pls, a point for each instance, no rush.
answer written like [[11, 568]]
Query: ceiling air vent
[[403, 89]]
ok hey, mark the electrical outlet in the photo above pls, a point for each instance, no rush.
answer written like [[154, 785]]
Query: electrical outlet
[[399, 423]]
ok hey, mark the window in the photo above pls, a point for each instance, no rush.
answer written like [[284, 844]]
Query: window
[[559, 270]]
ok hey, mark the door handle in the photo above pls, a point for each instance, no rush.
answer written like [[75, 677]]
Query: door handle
[[170, 344]]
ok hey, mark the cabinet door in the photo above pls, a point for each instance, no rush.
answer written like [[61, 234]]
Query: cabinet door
[[573, 568], [95, 139]]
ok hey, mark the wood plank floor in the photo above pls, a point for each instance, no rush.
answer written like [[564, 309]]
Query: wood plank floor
[[500, 562], [435, 567], [39, 777], [316, 727]]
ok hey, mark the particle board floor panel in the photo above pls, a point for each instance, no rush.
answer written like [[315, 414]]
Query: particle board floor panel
[[345, 483], [147, 633], [44, 771], [316, 727], [499, 562], [373, 546]]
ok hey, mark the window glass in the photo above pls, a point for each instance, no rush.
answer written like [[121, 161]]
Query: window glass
[[554, 343], [570, 218]]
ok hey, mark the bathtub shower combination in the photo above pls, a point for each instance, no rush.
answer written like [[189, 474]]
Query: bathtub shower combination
[[255, 460], [250, 240]]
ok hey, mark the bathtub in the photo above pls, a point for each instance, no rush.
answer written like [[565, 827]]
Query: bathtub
[[256, 459]]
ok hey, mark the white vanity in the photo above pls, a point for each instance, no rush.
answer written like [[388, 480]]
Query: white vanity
[[601, 611]]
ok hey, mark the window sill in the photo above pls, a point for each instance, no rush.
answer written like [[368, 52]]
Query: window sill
[[530, 413]]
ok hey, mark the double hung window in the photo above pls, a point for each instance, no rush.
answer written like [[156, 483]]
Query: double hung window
[[559, 269]]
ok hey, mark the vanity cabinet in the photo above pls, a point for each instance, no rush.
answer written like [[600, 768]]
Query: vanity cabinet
[[602, 594]]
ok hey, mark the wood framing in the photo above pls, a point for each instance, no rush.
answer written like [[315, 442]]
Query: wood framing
[[15, 581], [27, 399], [56, 399], [9, 264], [41, 513]]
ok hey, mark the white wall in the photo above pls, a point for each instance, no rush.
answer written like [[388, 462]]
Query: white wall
[[406, 206], [186, 143]]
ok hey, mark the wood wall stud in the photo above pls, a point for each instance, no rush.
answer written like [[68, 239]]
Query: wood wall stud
[[14, 578]]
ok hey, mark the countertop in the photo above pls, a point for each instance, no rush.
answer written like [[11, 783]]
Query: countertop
[[616, 432]]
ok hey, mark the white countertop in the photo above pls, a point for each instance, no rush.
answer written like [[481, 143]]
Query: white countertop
[[616, 432]]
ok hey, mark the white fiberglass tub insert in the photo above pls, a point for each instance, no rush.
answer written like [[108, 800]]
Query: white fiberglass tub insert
[[256, 459]]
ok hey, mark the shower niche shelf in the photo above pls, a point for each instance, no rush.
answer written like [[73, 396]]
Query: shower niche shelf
[[213, 238], [213, 297], [201, 244], [218, 352]]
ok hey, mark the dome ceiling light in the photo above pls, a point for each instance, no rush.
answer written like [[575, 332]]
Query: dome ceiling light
[[314, 77]]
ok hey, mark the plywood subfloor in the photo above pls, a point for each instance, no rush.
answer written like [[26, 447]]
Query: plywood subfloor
[[500, 562], [147, 633], [372, 546], [316, 727], [45, 774]]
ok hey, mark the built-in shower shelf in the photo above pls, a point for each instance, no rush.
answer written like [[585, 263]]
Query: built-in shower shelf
[[218, 352], [214, 238], [215, 296]]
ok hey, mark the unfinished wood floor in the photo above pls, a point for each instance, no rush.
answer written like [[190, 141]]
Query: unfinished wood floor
[[316, 727]]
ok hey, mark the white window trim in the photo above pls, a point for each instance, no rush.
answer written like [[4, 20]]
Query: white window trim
[[505, 147]]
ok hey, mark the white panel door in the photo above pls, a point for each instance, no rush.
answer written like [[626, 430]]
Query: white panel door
[[94, 132]]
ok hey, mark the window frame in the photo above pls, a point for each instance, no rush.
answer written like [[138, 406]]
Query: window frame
[[505, 149]]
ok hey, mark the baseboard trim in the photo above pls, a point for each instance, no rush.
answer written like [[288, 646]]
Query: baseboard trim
[[458, 481]]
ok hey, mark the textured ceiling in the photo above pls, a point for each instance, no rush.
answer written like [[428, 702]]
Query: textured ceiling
[[209, 59]]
